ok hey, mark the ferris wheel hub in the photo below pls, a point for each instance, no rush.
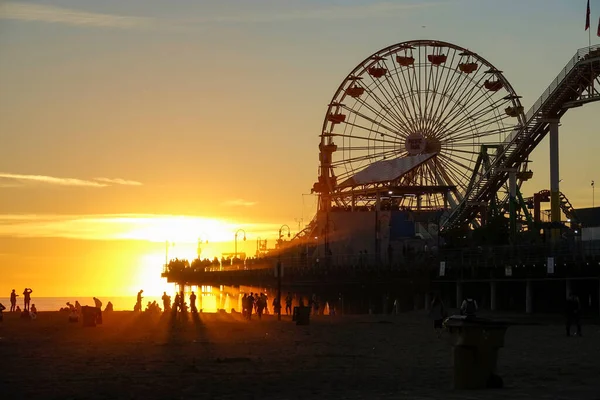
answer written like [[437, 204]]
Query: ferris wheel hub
[[417, 143]]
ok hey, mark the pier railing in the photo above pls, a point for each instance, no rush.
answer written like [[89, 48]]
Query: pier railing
[[575, 259]]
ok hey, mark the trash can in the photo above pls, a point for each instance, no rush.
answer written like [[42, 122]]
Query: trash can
[[88, 316], [475, 343], [301, 315]]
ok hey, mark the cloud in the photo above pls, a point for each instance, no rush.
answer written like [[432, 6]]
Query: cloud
[[118, 181], [147, 227], [339, 12], [52, 14], [52, 180], [239, 203]]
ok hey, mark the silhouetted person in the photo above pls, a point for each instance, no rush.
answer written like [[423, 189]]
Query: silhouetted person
[[33, 312], [573, 314], [176, 303], [138, 304], [2, 308], [193, 303], [166, 302], [109, 307], [13, 300], [260, 305], [288, 304], [469, 307], [98, 305], [250, 306], [26, 298], [244, 305]]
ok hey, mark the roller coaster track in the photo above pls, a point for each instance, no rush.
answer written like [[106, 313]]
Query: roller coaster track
[[577, 84]]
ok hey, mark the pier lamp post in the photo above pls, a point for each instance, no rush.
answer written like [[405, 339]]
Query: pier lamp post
[[236, 236], [279, 269], [167, 245], [200, 243]]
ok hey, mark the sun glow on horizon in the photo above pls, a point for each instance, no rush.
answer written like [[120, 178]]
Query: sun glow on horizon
[[147, 227]]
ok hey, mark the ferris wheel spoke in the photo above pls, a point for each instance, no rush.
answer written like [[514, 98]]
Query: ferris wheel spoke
[[406, 109], [474, 102], [437, 102], [491, 124], [483, 106], [376, 113], [368, 139], [367, 148], [398, 113], [410, 108], [476, 126], [453, 176], [462, 95], [456, 157], [461, 108], [457, 107], [362, 158], [388, 104], [398, 123], [468, 134], [439, 77], [369, 119], [453, 161], [461, 84]]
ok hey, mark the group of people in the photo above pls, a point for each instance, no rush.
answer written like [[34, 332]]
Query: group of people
[[258, 303], [29, 309]]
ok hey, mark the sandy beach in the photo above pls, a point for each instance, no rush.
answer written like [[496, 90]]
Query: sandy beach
[[134, 356]]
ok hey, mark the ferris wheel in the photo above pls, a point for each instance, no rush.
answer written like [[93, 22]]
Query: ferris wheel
[[416, 114]]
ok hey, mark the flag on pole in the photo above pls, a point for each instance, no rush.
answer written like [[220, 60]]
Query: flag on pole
[[587, 16]]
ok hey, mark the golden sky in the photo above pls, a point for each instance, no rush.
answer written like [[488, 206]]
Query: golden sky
[[123, 125]]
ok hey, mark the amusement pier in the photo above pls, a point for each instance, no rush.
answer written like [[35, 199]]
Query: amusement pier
[[423, 152]]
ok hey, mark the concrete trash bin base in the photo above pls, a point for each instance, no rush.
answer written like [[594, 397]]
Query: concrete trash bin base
[[476, 342]]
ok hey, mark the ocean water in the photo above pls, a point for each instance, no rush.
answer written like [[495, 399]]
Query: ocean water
[[56, 303], [208, 302]]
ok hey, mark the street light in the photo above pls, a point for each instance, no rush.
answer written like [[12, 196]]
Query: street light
[[200, 242], [236, 236], [279, 270]]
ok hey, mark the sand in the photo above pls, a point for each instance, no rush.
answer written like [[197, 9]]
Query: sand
[[222, 356]]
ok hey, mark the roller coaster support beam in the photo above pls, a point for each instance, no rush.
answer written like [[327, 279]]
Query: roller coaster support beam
[[554, 175], [512, 201], [512, 185]]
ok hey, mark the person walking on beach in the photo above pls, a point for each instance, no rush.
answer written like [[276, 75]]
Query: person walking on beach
[[98, 305], [13, 300], [193, 308], [288, 304], [27, 298], [2, 308], [438, 313], [244, 305], [138, 304], [573, 314], [177, 302], [260, 305], [166, 302], [250, 301]]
